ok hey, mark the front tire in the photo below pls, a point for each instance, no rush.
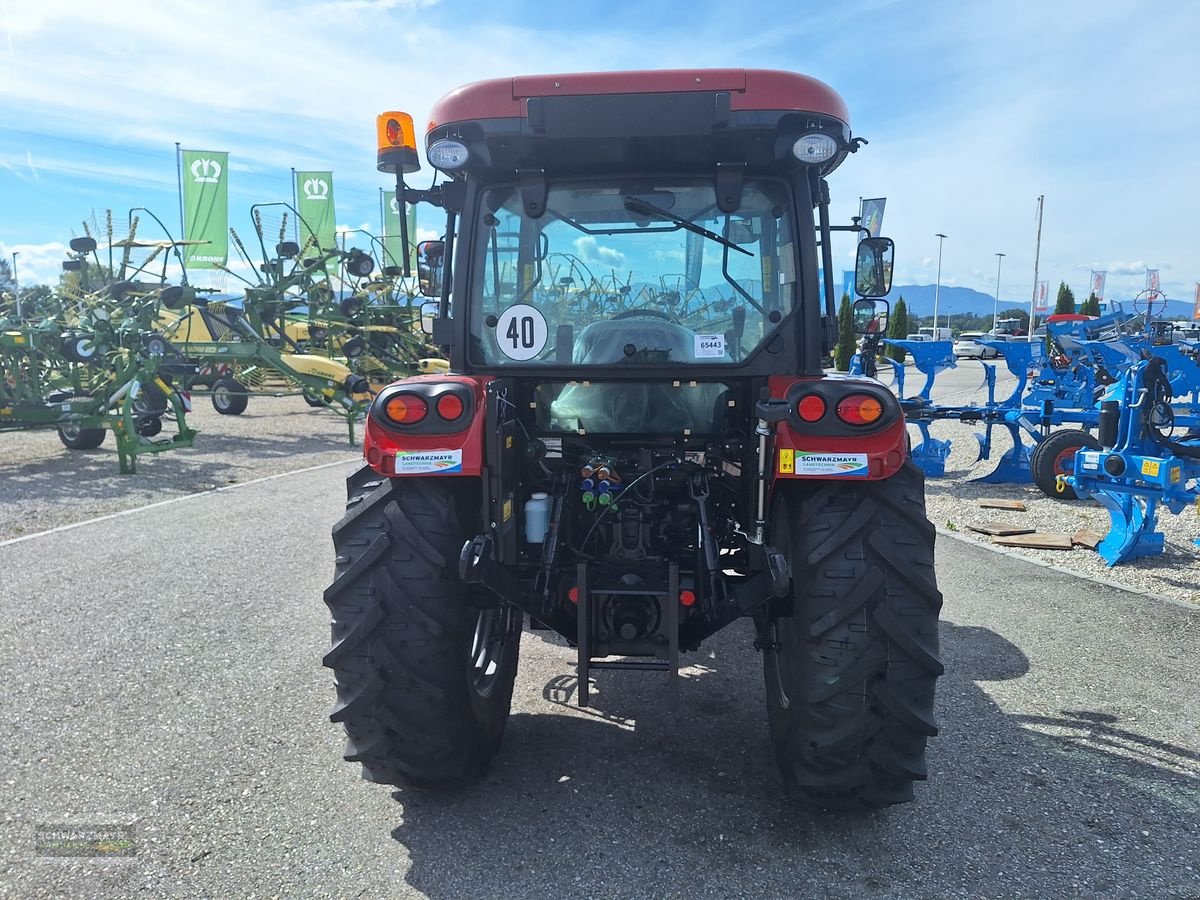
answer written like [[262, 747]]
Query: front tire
[[76, 437], [1054, 455], [229, 397], [424, 678], [850, 674]]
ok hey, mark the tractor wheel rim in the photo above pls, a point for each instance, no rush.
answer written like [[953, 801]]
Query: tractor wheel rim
[[70, 432], [489, 644], [221, 398]]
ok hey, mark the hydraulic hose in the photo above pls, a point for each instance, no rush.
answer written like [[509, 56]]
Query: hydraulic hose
[[1158, 388]]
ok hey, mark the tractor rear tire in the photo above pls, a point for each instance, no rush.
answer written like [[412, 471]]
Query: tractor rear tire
[[75, 437], [229, 397], [850, 675], [1054, 455], [424, 678]]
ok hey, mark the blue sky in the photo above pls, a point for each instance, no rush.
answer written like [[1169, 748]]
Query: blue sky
[[972, 110]]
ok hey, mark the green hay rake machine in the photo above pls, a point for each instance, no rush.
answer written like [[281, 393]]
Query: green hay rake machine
[[85, 363]]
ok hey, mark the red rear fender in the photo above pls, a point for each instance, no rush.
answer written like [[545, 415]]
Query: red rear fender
[[432, 444]]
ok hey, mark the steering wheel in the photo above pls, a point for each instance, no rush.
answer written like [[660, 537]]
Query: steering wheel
[[653, 313]]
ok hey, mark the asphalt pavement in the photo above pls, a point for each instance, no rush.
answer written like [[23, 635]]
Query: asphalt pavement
[[162, 670]]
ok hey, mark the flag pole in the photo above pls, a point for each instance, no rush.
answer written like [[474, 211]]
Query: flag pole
[[1037, 256], [179, 186], [295, 206]]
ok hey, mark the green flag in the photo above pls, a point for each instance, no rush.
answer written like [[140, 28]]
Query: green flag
[[392, 244], [206, 208], [314, 202]]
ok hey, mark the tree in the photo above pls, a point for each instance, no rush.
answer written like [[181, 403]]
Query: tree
[[898, 328], [1066, 300], [1091, 306], [7, 284], [845, 344], [87, 278]]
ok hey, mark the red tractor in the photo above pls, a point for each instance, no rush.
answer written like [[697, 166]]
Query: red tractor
[[636, 444]]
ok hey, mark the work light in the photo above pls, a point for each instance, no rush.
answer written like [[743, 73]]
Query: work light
[[447, 154], [814, 148]]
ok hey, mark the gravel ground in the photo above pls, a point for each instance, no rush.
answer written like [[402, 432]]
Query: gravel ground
[[43, 485], [952, 504]]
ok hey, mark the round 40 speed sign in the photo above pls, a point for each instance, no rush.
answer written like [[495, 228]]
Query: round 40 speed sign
[[521, 332]]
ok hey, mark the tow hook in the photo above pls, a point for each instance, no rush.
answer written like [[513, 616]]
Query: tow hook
[[472, 555], [476, 566], [781, 576]]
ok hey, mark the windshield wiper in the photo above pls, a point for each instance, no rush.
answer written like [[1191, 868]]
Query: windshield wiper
[[637, 205]]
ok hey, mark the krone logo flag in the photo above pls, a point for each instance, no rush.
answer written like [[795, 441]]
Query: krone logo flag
[[205, 196], [315, 206]]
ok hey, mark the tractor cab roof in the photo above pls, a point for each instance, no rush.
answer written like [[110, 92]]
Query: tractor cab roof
[[660, 119]]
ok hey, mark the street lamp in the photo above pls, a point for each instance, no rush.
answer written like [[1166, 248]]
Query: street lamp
[[937, 291], [996, 304]]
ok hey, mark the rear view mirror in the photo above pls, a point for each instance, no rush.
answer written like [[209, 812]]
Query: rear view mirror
[[429, 312], [429, 267], [873, 268], [870, 316]]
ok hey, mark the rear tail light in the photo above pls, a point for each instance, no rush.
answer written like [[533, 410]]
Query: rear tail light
[[859, 409], [406, 409], [424, 407], [811, 408], [449, 407]]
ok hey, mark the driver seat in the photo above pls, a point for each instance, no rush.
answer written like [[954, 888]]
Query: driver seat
[[604, 342]]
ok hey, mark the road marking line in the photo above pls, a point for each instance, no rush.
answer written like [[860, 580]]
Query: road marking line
[[158, 503]]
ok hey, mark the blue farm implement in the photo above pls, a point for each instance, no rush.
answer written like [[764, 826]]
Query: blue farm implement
[[933, 357], [1138, 464]]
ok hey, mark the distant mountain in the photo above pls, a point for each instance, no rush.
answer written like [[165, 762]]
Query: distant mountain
[[918, 298], [953, 300]]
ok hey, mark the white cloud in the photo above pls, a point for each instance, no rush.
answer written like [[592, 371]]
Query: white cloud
[[36, 263], [590, 250]]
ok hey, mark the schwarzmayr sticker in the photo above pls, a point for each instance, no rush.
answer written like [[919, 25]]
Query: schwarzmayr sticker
[[428, 462], [830, 463]]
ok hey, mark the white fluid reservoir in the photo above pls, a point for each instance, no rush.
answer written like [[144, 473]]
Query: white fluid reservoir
[[537, 517]]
